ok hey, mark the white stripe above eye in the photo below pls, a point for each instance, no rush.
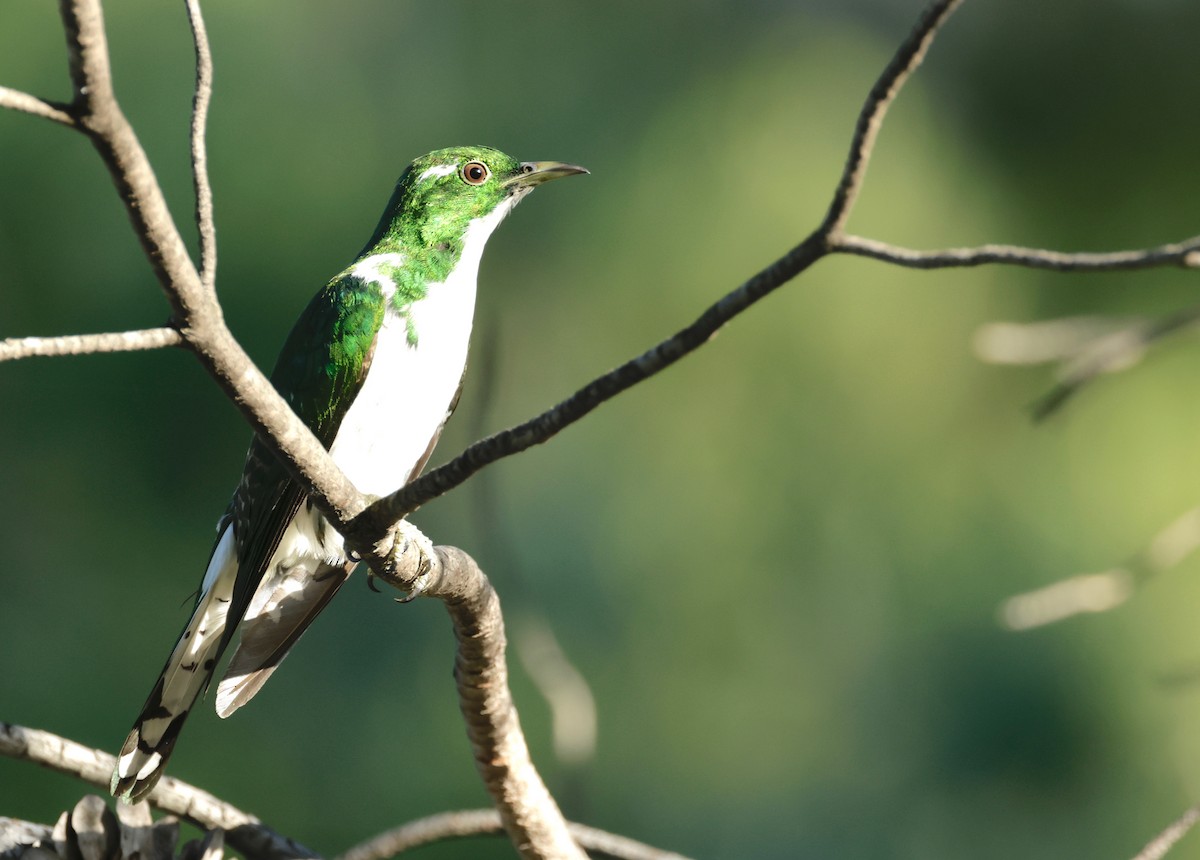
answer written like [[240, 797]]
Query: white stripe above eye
[[437, 170]]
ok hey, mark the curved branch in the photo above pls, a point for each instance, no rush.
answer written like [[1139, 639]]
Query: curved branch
[[870, 118], [485, 822], [31, 104], [1185, 254], [529, 813], [88, 344], [203, 189], [246, 832]]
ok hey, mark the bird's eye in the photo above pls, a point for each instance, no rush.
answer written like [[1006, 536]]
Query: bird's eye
[[475, 173]]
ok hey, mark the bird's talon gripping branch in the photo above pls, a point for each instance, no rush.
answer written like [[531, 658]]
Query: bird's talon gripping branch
[[408, 541]]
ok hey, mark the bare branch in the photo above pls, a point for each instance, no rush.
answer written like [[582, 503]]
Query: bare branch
[[1119, 350], [1165, 841], [200, 101], [1100, 592], [1185, 254], [30, 104], [171, 795], [482, 822], [542, 427], [86, 344], [870, 118], [198, 315]]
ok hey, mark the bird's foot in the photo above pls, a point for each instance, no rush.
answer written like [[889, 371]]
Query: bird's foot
[[410, 550]]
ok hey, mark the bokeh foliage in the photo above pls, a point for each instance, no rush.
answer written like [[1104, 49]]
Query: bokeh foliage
[[778, 563]]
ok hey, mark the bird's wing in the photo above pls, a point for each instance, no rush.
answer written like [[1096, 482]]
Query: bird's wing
[[286, 603], [319, 372]]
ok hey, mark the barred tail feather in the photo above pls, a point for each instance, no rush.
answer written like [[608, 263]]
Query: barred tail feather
[[187, 673]]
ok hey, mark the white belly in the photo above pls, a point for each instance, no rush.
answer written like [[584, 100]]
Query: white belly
[[408, 390]]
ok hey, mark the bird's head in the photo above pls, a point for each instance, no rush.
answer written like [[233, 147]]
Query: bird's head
[[443, 192]]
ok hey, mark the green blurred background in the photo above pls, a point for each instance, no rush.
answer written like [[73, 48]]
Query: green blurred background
[[779, 563]]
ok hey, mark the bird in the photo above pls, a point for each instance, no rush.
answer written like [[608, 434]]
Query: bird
[[373, 365]]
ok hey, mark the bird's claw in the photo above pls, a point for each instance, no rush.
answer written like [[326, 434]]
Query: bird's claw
[[408, 538]]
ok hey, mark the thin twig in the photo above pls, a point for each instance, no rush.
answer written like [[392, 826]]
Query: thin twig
[[170, 795], [86, 344], [870, 118], [31, 104], [485, 822], [1100, 592], [1185, 254], [200, 101], [1115, 351], [1165, 841]]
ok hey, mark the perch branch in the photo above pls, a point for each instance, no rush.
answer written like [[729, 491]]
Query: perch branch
[[88, 344], [529, 813]]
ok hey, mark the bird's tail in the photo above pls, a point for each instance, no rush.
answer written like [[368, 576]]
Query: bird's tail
[[185, 676]]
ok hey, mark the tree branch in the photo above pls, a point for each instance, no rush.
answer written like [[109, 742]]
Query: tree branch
[[246, 833], [200, 101], [530, 815], [1165, 841], [1185, 254], [87, 344], [30, 104], [198, 315], [484, 822], [541, 428], [870, 118]]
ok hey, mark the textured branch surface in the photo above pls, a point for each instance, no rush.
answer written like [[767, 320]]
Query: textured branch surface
[[86, 344], [204, 200], [530, 815]]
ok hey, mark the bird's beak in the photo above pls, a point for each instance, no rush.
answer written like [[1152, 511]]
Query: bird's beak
[[534, 173]]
